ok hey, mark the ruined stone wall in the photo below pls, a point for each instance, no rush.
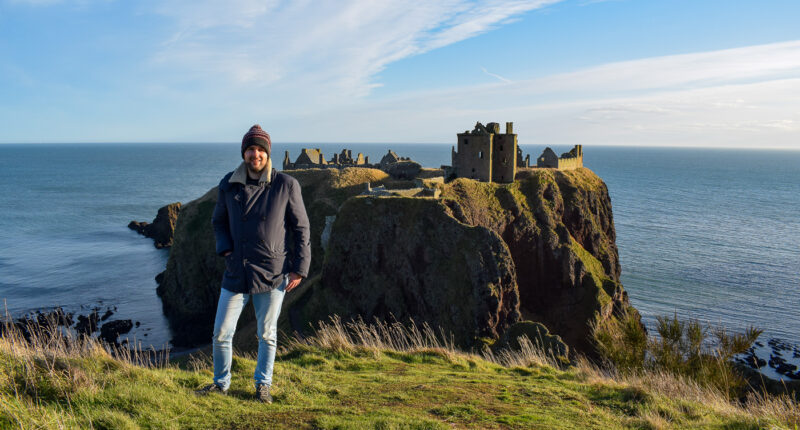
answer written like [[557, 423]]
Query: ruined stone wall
[[314, 159], [567, 161], [474, 157], [504, 157], [548, 159], [570, 163]]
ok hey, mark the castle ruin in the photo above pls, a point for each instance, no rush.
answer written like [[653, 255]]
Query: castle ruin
[[483, 154], [486, 155]]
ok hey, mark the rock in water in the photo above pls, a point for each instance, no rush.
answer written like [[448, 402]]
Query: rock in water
[[87, 324], [162, 229], [111, 330]]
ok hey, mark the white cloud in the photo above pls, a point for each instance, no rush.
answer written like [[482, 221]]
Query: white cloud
[[320, 52], [496, 76], [737, 97]]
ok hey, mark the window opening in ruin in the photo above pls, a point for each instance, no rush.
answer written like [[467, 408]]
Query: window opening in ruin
[[480, 154], [466, 141], [473, 170]]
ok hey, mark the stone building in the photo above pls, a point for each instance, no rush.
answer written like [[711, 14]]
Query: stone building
[[345, 159], [389, 158], [486, 154], [568, 160], [314, 159], [309, 156]]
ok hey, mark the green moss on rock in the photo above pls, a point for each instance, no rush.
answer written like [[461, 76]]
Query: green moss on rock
[[538, 335], [558, 227]]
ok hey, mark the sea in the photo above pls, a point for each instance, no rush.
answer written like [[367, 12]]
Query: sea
[[706, 234]]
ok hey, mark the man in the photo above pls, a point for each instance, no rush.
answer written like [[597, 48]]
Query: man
[[255, 209]]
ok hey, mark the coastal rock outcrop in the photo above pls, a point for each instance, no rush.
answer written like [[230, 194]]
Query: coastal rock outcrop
[[409, 259], [475, 261], [162, 229]]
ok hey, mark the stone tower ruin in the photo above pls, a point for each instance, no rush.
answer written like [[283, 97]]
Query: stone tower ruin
[[485, 154]]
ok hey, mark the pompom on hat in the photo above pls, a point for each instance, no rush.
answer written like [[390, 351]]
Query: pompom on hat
[[256, 136]]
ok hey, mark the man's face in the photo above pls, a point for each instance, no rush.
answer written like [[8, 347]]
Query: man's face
[[256, 158]]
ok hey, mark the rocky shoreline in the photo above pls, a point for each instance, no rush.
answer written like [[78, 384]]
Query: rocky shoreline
[[91, 324], [774, 358]]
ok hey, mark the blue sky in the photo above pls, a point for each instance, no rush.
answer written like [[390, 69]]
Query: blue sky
[[627, 72]]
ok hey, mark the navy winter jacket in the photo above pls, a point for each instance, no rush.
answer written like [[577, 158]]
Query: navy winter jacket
[[253, 223]]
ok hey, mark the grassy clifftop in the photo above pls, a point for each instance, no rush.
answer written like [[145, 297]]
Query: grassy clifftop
[[386, 379]]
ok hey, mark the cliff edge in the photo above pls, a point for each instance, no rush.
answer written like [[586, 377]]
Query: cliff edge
[[475, 261]]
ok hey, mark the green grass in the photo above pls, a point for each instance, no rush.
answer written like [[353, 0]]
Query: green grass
[[353, 378]]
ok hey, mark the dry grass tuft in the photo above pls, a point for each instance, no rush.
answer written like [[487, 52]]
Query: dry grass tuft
[[681, 387], [528, 355], [380, 336], [412, 338], [783, 407], [51, 343], [592, 373]]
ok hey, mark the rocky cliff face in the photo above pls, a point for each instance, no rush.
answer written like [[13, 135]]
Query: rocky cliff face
[[475, 261], [189, 287], [409, 259], [162, 228], [559, 229]]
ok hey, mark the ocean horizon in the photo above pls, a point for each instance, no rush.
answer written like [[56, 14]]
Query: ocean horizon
[[703, 233]]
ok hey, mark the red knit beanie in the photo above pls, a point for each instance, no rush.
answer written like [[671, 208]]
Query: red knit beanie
[[256, 136]]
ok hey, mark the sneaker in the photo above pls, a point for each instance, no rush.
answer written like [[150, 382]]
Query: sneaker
[[211, 388], [262, 393]]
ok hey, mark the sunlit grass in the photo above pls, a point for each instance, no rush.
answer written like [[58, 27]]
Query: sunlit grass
[[355, 375]]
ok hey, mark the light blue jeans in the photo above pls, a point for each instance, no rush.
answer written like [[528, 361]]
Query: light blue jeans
[[230, 306]]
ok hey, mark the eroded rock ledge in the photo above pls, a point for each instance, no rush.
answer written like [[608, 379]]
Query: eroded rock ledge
[[162, 229]]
